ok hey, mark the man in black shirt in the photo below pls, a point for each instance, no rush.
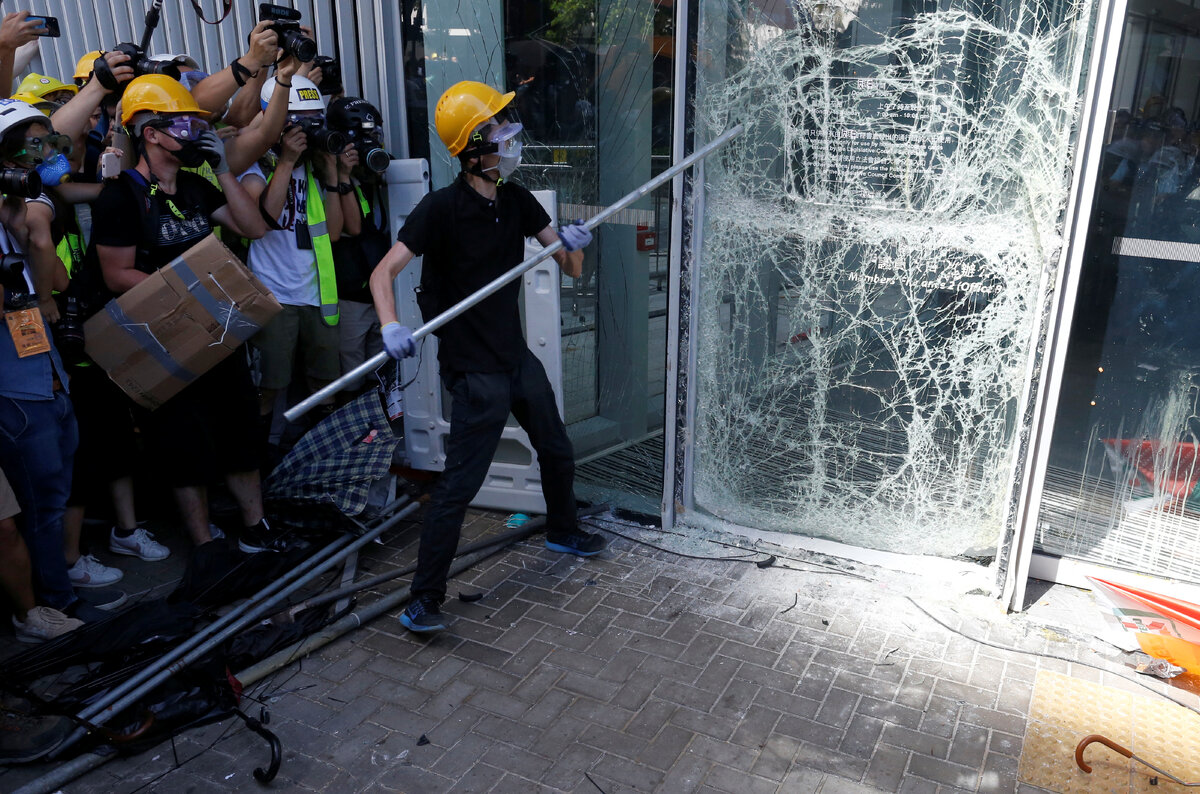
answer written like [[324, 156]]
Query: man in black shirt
[[142, 221], [469, 233]]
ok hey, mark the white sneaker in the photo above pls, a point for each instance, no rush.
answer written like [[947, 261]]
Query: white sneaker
[[140, 544], [89, 572], [44, 623], [215, 532]]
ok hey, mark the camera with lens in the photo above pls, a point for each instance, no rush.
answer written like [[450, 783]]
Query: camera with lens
[[331, 74], [68, 331], [362, 122], [140, 63], [322, 138], [373, 156], [19, 182], [17, 294], [286, 24]]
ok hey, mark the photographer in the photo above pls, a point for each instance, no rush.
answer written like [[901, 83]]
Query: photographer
[[144, 220], [31, 623], [365, 237], [302, 193], [38, 435]]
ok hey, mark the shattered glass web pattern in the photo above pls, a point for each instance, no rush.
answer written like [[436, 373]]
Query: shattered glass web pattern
[[874, 250]]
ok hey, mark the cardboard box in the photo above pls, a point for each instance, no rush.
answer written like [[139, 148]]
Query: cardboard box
[[178, 323]]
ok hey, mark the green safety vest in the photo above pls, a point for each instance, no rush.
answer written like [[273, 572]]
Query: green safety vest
[[362, 202], [318, 231], [323, 248], [70, 251]]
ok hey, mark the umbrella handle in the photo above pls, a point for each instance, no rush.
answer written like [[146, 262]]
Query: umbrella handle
[[1104, 740]]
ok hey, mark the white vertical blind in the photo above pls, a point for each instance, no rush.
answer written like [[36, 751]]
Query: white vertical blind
[[364, 36]]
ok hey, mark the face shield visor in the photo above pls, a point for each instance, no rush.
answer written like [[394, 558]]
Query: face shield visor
[[508, 146]]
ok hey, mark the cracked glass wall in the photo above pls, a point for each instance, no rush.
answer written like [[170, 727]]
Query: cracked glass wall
[[1121, 484], [876, 248], [593, 85]]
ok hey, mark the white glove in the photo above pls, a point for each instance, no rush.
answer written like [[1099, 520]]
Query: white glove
[[574, 236], [398, 341]]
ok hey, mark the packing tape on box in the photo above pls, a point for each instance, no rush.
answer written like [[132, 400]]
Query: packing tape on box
[[235, 323], [146, 339]]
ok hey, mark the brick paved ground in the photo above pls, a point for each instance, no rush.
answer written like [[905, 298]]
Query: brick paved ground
[[642, 671]]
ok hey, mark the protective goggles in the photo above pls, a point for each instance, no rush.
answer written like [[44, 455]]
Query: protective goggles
[[306, 118], [504, 135], [182, 128], [43, 148]]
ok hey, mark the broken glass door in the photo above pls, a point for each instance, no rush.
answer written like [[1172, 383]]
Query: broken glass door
[[874, 261]]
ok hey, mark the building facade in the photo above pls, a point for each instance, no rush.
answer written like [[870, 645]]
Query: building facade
[[935, 299]]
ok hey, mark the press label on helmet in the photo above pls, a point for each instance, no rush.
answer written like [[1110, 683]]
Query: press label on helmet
[[308, 93]]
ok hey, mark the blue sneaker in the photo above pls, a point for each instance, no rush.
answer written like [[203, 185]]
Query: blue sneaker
[[423, 615], [575, 541]]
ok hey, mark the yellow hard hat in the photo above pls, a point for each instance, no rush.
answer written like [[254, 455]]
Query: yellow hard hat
[[44, 105], [157, 93], [39, 85], [464, 107], [87, 64]]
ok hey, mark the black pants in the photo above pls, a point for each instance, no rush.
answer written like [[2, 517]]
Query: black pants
[[481, 404]]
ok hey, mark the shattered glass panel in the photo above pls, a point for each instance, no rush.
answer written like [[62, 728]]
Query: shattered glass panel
[[876, 248], [1121, 487]]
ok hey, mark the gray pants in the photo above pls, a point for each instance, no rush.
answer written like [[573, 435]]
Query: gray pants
[[359, 337]]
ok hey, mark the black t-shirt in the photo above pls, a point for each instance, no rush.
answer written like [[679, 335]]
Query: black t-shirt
[[355, 257], [467, 241], [163, 225]]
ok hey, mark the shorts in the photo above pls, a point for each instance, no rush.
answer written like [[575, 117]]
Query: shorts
[[297, 330], [8, 499], [107, 439], [207, 430]]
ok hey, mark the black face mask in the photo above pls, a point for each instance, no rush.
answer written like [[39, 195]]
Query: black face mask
[[190, 155]]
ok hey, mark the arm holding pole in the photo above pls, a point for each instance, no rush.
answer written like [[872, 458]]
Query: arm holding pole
[[555, 249]]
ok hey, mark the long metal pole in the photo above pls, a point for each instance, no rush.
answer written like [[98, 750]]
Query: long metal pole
[[128, 693], [370, 365]]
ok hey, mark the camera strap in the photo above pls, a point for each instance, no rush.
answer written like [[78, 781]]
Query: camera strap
[[226, 4], [25, 325]]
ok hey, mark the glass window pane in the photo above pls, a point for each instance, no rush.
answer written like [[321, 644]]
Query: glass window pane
[[1121, 489]]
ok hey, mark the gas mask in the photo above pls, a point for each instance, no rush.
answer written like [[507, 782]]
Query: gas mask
[[190, 155], [47, 157], [55, 170]]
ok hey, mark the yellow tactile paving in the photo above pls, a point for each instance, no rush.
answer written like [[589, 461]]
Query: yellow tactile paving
[[1066, 709]]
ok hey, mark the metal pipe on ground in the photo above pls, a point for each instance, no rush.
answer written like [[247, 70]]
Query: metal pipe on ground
[[517, 533], [370, 365], [470, 555], [127, 694]]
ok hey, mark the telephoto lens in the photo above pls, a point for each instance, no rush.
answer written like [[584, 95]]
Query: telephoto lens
[[327, 140], [68, 331], [18, 182], [295, 43], [372, 156]]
